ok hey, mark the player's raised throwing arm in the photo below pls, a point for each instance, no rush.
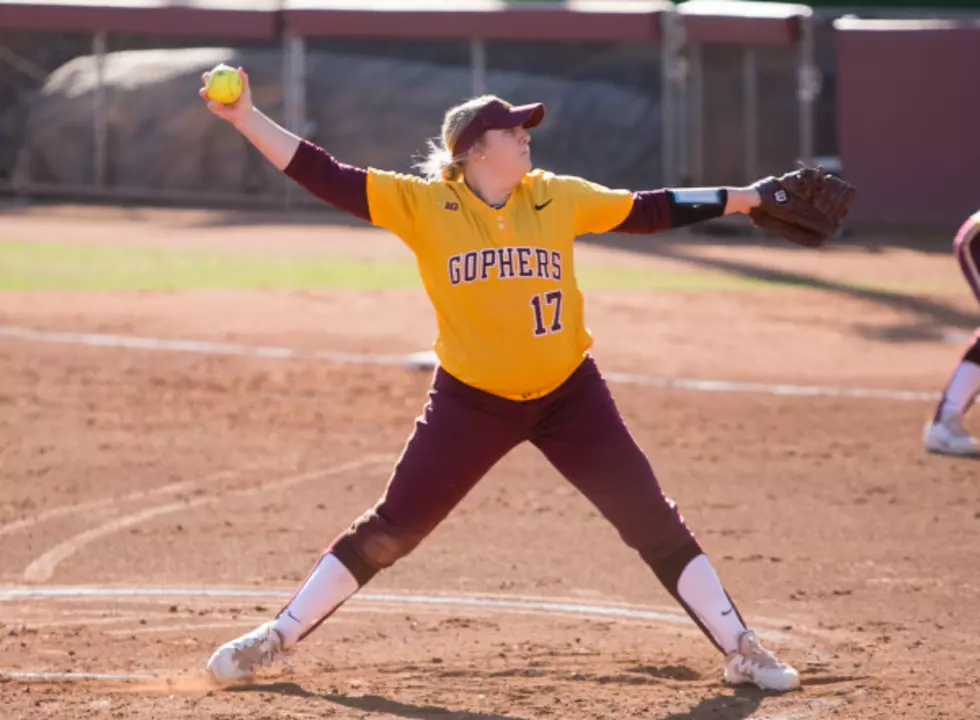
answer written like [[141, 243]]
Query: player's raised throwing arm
[[343, 186]]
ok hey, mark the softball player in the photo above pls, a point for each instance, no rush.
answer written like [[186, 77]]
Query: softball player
[[493, 240], [945, 432]]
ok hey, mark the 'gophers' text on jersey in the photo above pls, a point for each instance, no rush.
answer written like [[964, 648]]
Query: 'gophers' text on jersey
[[505, 263]]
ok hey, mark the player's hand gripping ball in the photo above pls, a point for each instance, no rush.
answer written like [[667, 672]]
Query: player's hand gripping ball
[[805, 206], [223, 84]]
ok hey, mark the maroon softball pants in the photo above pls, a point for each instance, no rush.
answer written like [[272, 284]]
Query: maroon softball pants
[[966, 247], [463, 432]]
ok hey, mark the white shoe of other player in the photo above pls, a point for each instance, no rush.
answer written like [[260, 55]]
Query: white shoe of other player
[[752, 663], [949, 437], [238, 660]]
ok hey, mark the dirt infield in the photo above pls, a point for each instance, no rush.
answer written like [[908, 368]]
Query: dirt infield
[[154, 503]]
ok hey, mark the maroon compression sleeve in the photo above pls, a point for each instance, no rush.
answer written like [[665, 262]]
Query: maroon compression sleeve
[[343, 186], [651, 212]]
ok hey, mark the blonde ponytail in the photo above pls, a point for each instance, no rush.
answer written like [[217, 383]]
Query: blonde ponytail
[[439, 163]]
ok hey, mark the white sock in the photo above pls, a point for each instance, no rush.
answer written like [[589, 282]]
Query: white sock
[[326, 588], [702, 592], [962, 389]]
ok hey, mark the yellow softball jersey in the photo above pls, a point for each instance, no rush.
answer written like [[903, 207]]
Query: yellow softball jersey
[[502, 282]]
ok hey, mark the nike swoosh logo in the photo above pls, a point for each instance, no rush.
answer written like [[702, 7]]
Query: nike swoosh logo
[[729, 611], [543, 205]]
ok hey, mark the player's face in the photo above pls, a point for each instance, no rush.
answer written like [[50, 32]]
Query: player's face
[[508, 153]]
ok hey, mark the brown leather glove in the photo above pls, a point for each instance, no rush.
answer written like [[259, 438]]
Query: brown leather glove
[[805, 206]]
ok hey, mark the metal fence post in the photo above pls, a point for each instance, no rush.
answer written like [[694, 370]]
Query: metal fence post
[[682, 124], [750, 96], [695, 118], [99, 111], [671, 76], [809, 83], [294, 94], [478, 66]]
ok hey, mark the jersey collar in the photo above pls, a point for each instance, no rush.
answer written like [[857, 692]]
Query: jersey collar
[[483, 206]]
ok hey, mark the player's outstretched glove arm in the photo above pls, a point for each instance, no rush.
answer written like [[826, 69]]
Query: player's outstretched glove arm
[[805, 206]]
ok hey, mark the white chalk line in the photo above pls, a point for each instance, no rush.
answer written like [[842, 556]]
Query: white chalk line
[[78, 621], [558, 607], [187, 627], [258, 351], [201, 347], [43, 567], [779, 389], [957, 337], [69, 676], [65, 510]]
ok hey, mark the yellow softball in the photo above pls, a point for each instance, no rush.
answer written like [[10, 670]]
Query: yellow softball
[[224, 84]]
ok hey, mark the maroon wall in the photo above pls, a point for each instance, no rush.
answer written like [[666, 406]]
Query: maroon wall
[[909, 120]]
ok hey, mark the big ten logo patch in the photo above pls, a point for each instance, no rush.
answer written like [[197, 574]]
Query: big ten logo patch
[[781, 197], [451, 206], [505, 263]]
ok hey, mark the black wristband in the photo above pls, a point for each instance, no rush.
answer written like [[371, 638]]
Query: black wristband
[[693, 205]]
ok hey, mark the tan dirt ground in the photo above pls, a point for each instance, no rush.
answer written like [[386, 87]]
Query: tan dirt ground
[[853, 551]]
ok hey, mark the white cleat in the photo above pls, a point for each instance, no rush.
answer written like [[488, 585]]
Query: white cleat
[[238, 660], [949, 437], [752, 663]]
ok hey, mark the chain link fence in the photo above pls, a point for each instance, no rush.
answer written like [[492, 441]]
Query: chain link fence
[[749, 97], [115, 114], [603, 100], [27, 59]]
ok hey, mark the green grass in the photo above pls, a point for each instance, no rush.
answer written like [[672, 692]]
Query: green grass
[[646, 278], [84, 266]]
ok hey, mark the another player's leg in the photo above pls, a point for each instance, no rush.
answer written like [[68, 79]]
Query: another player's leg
[[586, 439], [459, 437], [945, 432]]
